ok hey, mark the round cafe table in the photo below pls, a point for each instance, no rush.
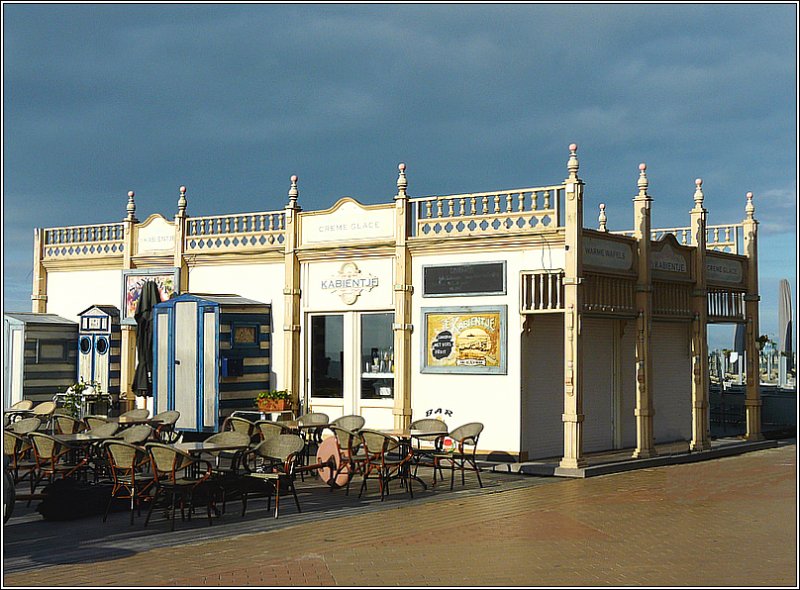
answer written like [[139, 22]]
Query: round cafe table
[[328, 456]]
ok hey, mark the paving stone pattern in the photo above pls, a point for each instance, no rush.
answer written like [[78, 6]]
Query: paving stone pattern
[[725, 522]]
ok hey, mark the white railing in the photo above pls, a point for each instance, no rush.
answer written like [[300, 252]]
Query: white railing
[[725, 305], [721, 238], [83, 240], [542, 291], [524, 210], [238, 232]]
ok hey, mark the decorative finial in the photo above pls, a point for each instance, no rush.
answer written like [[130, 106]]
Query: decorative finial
[[131, 208], [698, 194], [602, 218], [293, 192], [642, 179], [750, 209], [402, 183], [182, 202], [572, 164]]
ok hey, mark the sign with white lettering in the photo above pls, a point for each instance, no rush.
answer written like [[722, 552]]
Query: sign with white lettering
[[724, 270], [607, 254], [155, 236], [348, 221]]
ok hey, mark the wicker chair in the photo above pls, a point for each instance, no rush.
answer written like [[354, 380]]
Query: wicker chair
[[53, 458], [18, 449], [127, 463], [137, 434], [94, 421], [226, 464], [425, 444], [351, 422], [174, 474], [274, 462], [352, 459], [63, 424], [26, 425], [23, 404], [383, 458], [136, 414], [462, 456], [311, 436], [267, 428], [105, 429], [44, 411], [239, 424], [165, 431]]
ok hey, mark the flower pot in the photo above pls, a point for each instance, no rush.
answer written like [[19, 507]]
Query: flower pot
[[272, 405]]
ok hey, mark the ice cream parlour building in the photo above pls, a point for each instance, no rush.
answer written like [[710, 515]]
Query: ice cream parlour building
[[497, 307]]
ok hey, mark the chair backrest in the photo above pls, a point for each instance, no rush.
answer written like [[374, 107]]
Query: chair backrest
[[124, 456], [23, 404], [105, 429], [95, 421], [44, 409], [351, 422], [280, 447], [238, 424], [14, 444], [377, 444], [468, 433], [267, 428], [66, 424], [229, 437], [136, 435], [136, 414], [432, 425], [348, 441], [45, 447], [26, 425], [313, 418], [167, 461], [168, 418]]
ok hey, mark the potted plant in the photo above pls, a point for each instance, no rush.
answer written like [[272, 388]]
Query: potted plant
[[80, 395], [274, 400]]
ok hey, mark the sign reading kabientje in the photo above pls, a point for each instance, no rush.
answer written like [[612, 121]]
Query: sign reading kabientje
[[464, 340]]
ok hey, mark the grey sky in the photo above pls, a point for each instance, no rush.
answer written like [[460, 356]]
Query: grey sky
[[231, 100]]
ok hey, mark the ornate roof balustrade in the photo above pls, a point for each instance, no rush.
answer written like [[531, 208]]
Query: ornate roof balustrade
[[721, 238], [525, 210], [235, 233], [83, 241]]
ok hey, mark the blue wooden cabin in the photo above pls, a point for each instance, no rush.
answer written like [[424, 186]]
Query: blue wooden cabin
[[211, 356]]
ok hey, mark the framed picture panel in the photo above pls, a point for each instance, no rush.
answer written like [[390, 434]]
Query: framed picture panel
[[167, 280], [464, 340]]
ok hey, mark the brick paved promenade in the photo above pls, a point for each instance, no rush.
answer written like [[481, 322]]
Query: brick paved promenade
[[725, 522]]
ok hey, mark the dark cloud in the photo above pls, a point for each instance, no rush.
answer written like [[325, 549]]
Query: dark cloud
[[231, 100]]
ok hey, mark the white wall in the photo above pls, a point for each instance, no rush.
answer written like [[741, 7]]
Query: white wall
[[491, 399], [259, 282], [71, 292]]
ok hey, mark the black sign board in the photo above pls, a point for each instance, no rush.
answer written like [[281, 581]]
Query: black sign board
[[481, 278]]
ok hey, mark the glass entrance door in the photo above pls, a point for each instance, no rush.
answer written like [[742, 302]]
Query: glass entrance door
[[351, 366]]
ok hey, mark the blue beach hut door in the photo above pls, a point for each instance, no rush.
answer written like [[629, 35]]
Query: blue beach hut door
[[186, 373]]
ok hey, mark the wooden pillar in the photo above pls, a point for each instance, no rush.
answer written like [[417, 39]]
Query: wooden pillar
[[403, 291], [573, 341], [700, 424], [39, 292], [645, 442], [291, 300], [128, 332], [752, 401]]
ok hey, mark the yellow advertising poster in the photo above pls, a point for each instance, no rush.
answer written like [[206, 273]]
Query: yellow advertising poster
[[464, 339]]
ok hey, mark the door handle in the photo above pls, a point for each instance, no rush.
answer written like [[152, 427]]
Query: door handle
[[177, 362]]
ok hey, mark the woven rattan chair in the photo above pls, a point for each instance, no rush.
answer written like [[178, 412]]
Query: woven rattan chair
[[383, 458], [266, 428], [225, 465], [105, 429], [351, 422], [462, 456], [351, 454], [63, 424], [44, 411], [53, 459], [137, 434], [23, 404], [126, 465], [26, 425], [274, 462], [425, 444], [165, 430], [136, 414], [18, 449], [175, 473], [311, 436]]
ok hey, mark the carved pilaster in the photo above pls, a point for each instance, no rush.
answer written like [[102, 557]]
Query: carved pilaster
[[39, 291], [291, 300], [752, 400], [700, 418], [402, 307]]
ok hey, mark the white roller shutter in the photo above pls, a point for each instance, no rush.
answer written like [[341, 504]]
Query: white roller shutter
[[672, 382], [598, 375]]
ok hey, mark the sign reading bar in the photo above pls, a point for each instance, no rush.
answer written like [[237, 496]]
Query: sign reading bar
[[478, 278]]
